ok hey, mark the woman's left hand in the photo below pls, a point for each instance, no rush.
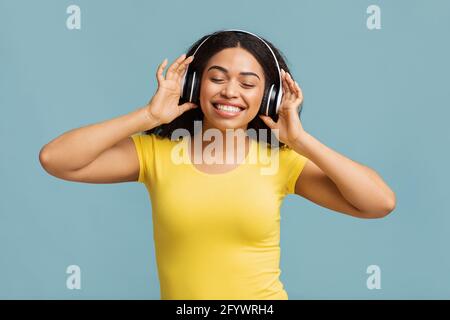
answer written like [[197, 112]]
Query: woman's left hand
[[290, 129]]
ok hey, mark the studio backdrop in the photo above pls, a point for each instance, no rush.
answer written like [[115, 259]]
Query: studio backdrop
[[375, 80]]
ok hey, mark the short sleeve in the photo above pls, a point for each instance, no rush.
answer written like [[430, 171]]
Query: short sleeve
[[144, 147], [293, 164]]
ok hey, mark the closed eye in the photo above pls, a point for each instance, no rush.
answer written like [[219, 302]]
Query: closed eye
[[219, 81]]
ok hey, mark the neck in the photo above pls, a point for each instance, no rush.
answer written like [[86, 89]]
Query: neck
[[229, 142], [232, 139]]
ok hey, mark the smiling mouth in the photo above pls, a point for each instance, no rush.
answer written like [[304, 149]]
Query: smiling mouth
[[228, 109]]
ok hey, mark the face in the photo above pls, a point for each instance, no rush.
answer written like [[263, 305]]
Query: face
[[232, 88]]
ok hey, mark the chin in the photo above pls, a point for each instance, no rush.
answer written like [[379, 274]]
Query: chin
[[227, 123]]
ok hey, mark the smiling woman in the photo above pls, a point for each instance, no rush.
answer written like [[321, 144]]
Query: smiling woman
[[217, 226]]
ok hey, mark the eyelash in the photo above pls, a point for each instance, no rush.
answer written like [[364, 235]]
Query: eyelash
[[247, 85]]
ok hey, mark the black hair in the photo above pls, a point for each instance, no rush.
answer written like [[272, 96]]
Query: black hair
[[217, 42]]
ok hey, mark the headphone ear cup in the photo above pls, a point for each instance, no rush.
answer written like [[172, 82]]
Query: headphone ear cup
[[196, 89], [271, 110], [190, 89], [187, 86], [278, 97], [262, 107], [267, 102]]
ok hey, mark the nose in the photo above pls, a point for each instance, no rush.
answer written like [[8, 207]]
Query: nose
[[230, 90]]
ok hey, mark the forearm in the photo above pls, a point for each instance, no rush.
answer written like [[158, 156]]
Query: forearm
[[358, 184], [78, 147]]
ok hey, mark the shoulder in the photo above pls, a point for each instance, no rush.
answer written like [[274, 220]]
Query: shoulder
[[291, 166], [290, 156], [285, 156], [152, 140]]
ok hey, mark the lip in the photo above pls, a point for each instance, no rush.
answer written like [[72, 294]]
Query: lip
[[229, 103], [225, 114]]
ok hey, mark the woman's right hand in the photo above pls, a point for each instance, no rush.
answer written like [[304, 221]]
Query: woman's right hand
[[163, 107]]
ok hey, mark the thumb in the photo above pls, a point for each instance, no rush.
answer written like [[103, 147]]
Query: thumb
[[268, 121], [187, 106]]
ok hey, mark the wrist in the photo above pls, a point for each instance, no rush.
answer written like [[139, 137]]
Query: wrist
[[146, 120], [300, 143]]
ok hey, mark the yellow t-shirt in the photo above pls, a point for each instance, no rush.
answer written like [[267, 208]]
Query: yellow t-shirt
[[216, 235]]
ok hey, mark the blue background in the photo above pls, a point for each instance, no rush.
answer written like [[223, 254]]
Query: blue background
[[379, 97]]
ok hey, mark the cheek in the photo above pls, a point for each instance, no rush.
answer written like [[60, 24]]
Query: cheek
[[208, 90], [206, 94], [255, 101]]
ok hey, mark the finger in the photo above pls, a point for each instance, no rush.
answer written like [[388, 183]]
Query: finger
[[184, 65], [286, 88], [159, 71], [290, 81], [186, 106], [268, 121], [296, 89], [299, 90], [175, 65]]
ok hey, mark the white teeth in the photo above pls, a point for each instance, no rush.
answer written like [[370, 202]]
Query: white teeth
[[228, 108]]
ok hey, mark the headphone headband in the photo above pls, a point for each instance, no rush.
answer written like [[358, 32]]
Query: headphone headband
[[248, 32]]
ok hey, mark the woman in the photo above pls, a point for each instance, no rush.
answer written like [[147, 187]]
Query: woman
[[216, 224]]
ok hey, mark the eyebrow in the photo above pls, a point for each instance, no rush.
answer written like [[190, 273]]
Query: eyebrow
[[226, 71]]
